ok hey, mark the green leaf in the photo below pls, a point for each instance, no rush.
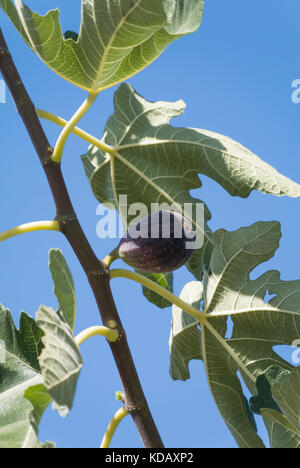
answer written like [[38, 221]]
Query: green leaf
[[164, 280], [154, 162], [226, 389], [9, 8], [282, 433], [286, 393], [19, 370], [40, 399], [185, 337], [258, 325], [116, 40], [30, 339], [60, 360], [63, 285], [278, 402]]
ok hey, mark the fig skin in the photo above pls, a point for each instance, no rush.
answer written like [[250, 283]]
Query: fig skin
[[158, 254]]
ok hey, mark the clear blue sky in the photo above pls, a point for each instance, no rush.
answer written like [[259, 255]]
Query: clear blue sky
[[235, 75]]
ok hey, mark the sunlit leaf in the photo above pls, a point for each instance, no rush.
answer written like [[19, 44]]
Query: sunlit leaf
[[282, 433], [39, 398], [258, 324], [117, 39], [19, 370], [63, 285], [287, 395], [154, 163], [278, 399]]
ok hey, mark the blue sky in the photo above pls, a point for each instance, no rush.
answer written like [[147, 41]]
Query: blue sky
[[235, 75]]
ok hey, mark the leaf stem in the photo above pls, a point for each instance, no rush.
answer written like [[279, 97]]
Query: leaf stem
[[62, 139], [109, 333], [76, 130], [30, 227], [120, 273], [112, 427], [110, 258]]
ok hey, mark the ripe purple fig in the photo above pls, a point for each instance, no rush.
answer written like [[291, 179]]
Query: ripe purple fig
[[158, 243]]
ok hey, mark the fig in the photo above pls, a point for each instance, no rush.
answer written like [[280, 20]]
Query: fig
[[158, 243]]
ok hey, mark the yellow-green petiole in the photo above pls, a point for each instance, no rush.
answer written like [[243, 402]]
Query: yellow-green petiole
[[69, 127], [120, 273], [109, 333], [29, 227], [112, 427], [75, 130]]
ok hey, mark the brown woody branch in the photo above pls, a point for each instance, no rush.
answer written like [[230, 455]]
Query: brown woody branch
[[96, 271]]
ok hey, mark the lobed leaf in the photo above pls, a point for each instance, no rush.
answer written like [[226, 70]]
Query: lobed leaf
[[258, 325], [117, 39], [19, 371], [155, 162], [152, 162]]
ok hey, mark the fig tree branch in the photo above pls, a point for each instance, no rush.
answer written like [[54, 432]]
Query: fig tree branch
[[96, 271]]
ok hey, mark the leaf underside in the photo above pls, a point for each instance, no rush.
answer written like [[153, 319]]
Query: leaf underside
[[258, 325], [154, 163], [287, 396], [38, 363], [117, 39], [19, 371]]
